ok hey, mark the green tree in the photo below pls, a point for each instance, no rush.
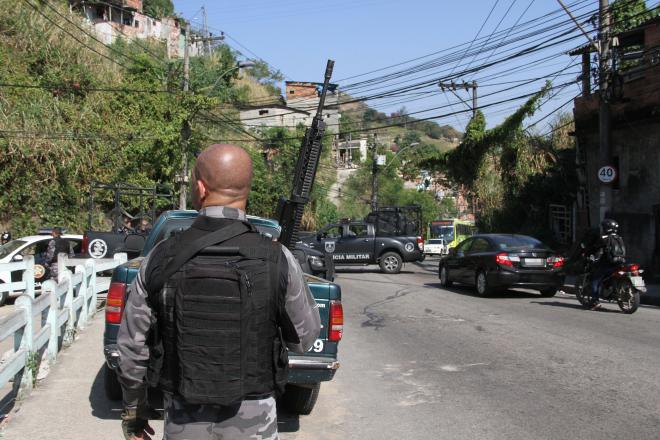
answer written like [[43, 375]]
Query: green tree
[[627, 14], [158, 8]]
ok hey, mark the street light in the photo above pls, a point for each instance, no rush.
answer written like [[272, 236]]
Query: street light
[[414, 144], [239, 65]]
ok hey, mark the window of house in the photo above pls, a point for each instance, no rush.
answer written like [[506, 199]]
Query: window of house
[[263, 112]]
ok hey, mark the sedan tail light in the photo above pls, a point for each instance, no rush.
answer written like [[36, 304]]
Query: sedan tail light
[[504, 259], [420, 243], [336, 326], [555, 262], [114, 305]]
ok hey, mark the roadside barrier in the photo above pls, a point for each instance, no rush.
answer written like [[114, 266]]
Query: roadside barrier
[[64, 306]]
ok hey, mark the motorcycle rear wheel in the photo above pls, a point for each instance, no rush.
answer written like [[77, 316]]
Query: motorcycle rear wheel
[[627, 297]]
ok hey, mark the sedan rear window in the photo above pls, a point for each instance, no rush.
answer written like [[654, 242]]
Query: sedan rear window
[[436, 241], [517, 242]]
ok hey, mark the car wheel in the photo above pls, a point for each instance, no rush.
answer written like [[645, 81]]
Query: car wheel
[[549, 292], [391, 262], [444, 277], [111, 384], [301, 399], [481, 284]]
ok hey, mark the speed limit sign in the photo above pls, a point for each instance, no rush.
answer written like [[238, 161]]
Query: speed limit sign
[[607, 174]]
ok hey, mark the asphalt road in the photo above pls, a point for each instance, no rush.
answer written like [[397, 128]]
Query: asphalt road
[[419, 361]]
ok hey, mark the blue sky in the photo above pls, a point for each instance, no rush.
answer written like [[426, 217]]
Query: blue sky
[[298, 36]]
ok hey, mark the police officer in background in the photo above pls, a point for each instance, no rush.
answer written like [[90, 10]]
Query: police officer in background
[[56, 246], [210, 314]]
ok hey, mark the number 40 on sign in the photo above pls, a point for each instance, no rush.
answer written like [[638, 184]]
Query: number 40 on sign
[[607, 174]]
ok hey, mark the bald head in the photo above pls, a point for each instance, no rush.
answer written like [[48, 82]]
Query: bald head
[[222, 176]]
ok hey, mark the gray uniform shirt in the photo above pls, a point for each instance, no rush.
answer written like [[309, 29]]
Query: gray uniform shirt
[[136, 321]]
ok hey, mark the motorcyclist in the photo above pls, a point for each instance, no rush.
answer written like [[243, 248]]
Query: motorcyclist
[[607, 251]]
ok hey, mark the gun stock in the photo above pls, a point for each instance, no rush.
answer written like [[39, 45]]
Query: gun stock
[[290, 211]]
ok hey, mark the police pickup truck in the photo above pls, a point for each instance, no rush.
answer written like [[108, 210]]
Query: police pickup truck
[[362, 243], [306, 372]]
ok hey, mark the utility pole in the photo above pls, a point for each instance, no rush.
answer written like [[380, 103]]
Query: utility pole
[[374, 173], [605, 199], [185, 129], [207, 41], [452, 86]]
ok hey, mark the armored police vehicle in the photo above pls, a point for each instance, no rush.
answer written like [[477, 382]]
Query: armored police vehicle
[[306, 372], [388, 237]]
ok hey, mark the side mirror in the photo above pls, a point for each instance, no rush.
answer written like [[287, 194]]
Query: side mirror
[[319, 237], [17, 257]]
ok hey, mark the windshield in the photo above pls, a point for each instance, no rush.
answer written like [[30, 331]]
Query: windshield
[[10, 247], [445, 232], [517, 242]]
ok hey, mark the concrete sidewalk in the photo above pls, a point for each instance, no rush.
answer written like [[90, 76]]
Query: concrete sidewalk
[[70, 402]]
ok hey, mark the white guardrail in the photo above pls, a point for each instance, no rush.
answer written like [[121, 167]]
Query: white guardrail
[[64, 307]]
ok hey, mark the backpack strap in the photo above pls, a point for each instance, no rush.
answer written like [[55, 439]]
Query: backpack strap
[[189, 251]]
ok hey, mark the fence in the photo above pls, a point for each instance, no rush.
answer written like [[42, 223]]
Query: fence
[[64, 307]]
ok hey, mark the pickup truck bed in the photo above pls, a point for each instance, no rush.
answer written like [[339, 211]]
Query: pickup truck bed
[[306, 371]]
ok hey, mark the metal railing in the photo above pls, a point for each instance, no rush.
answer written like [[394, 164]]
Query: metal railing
[[64, 307]]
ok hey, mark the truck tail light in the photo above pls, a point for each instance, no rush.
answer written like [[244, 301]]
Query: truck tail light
[[420, 243], [336, 324], [114, 305], [85, 244]]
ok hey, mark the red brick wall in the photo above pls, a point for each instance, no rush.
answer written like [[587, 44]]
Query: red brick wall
[[300, 91]]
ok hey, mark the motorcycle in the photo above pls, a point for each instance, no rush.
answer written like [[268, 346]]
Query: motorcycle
[[623, 285]]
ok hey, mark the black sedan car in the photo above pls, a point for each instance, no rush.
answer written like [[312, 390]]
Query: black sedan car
[[492, 262]]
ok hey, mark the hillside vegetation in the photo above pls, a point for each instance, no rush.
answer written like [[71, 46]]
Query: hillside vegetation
[[75, 111]]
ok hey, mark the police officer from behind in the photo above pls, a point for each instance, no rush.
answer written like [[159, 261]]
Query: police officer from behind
[[56, 246], [608, 251], [209, 316]]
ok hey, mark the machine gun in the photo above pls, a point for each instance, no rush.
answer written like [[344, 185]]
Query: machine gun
[[290, 211]]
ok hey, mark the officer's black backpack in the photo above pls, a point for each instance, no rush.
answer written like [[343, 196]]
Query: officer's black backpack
[[615, 249]]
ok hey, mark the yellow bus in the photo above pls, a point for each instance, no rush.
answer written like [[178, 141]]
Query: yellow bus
[[453, 231]]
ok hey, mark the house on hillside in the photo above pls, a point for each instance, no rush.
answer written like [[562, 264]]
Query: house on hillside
[[634, 97], [112, 19], [300, 103]]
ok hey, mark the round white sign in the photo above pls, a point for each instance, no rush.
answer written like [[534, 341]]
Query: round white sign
[[97, 248], [607, 174]]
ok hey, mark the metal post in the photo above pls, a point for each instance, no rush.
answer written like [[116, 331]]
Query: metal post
[[474, 98], [184, 133], [605, 196], [586, 74], [374, 175]]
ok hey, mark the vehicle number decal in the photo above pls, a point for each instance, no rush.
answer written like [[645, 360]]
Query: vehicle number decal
[[318, 346]]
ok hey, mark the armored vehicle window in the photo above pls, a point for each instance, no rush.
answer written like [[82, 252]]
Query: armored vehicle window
[[358, 230]]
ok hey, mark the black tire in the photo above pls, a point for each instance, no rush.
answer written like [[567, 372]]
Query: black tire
[[627, 297], [549, 292], [111, 384], [390, 263], [481, 284], [300, 399], [444, 282]]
